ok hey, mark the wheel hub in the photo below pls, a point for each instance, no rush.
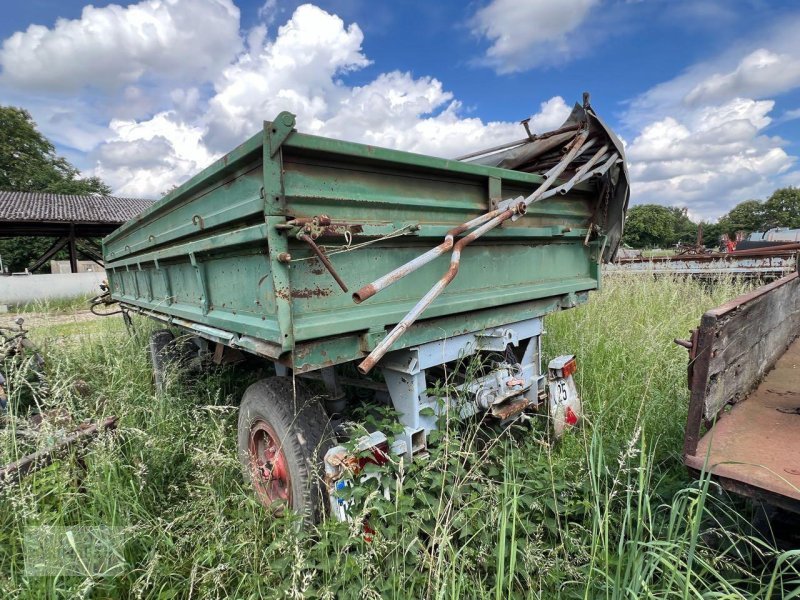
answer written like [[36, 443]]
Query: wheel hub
[[268, 465]]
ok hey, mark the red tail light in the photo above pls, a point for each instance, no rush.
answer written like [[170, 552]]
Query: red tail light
[[571, 417], [570, 368]]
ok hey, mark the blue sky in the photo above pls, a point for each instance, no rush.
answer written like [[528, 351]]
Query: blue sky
[[705, 93]]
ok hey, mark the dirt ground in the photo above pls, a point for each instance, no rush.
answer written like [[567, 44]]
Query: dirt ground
[[43, 319]]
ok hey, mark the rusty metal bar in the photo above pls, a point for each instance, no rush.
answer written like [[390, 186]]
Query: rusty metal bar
[[382, 283], [368, 363], [533, 138], [323, 259], [579, 146], [563, 189], [42, 458], [785, 251], [577, 149], [578, 176], [604, 167], [494, 149]]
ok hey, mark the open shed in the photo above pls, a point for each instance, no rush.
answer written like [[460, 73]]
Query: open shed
[[74, 221]]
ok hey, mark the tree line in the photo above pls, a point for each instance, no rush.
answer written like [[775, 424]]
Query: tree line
[[656, 226]]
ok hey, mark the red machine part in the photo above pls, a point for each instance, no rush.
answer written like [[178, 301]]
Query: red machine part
[[271, 477]]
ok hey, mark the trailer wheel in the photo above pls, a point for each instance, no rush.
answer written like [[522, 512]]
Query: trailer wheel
[[284, 434], [160, 357]]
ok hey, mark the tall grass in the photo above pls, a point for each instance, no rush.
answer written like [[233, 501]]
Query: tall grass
[[607, 512], [55, 305]]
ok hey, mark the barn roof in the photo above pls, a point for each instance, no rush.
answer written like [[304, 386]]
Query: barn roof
[[39, 207]]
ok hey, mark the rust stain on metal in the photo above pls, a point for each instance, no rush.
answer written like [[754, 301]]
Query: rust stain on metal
[[324, 259], [316, 292], [510, 408]]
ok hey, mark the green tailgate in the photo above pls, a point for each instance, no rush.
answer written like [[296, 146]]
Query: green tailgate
[[214, 251]]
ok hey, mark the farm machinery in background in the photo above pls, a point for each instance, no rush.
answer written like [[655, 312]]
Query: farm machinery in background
[[18, 353], [23, 387], [379, 276], [763, 262], [761, 255]]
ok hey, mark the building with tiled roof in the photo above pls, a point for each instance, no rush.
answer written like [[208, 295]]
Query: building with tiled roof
[[67, 218], [39, 213]]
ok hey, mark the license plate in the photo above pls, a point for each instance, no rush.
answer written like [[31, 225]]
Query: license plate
[[565, 404]]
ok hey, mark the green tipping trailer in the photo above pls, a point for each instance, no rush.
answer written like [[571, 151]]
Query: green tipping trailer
[[313, 253]]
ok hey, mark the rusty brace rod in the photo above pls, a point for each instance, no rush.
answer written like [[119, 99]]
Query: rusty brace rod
[[505, 213], [584, 176], [382, 283], [578, 146], [324, 259], [533, 138], [455, 259], [578, 176]]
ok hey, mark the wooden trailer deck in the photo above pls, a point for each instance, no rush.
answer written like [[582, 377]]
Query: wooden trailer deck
[[743, 425], [757, 443]]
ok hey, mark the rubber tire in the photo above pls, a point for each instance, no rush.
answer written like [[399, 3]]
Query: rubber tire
[[161, 357], [303, 426]]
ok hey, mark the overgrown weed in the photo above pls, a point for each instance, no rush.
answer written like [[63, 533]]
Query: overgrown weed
[[493, 512]]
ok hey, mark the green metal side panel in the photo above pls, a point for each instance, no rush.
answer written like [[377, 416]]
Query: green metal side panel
[[213, 251]]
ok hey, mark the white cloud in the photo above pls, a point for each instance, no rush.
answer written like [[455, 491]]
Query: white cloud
[[758, 74], [268, 11], [296, 72], [300, 71], [145, 159], [112, 46], [527, 33], [708, 159], [699, 139]]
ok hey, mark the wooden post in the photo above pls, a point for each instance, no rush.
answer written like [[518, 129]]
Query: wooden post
[[73, 253]]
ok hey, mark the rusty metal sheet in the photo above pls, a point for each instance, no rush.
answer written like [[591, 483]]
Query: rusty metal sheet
[[757, 443]]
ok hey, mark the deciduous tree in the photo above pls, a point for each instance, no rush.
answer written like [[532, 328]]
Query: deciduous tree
[[782, 208], [655, 226]]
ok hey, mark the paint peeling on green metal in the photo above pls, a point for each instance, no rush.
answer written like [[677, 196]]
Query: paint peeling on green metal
[[216, 251]]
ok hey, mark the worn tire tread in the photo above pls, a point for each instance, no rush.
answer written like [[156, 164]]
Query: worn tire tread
[[159, 359], [302, 417]]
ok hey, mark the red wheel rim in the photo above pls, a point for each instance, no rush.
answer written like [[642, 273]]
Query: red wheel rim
[[268, 465]]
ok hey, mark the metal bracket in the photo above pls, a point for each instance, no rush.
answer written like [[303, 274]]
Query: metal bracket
[[371, 339], [201, 282], [165, 281], [278, 130], [495, 192]]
